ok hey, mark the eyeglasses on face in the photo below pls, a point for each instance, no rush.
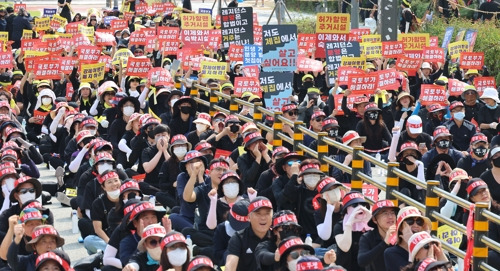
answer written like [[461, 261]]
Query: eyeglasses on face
[[296, 254], [26, 190]]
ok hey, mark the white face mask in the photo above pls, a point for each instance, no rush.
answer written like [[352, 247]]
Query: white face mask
[[93, 132], [167, 67], [200, 127], [177, 257], [128, 110], [114, 194], [102, 168], [172, 102], [292, 265], [46, 101], [157, 138], [26, 197], [333, 195], [9, 183], [155, 253], [311, 180], [231, 190], [180, 151]]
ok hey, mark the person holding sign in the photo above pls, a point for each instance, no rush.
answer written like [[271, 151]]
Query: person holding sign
[[64, 5], [45, 104]]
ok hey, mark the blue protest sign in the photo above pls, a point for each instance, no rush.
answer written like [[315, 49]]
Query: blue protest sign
[[49, 12], [280, 48], [277, 87], [205, 11], [252, 55], [447, 38]]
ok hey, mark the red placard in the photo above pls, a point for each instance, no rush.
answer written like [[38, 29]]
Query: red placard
[[40, 116], [160, 77], [408, 64], [66, 43], [363, 82], [369, 191], [356, 34], [255, 18], [220, 153], [484, 82], [69, 91], [251, 71], [150, 44], [158, 7], [67, 64], [195, 38], [321, 39], [88, 54], [387, 79], [28, 44], [244, 84], [186, 54], [6, 60], [235, 52], [118, 24], [128, 15], [54, 46], [142, 8], [433, 54], [472, 60], [169, 47], [306, 44], [40, 46], [214, 39], [432, 94], [104, 39], [456, 87], [108, 60], [72, 28], [305, 64], [18, 6], [81, 40], [350, 102], [138, 66], [168, 33], [47, 69], [137, 38], [433, 41], [194, 62], [148, 31], [344, 72], [392, 49], [257, 35], [29, 62]]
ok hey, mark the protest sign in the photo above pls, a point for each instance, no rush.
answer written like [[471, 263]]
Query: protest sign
[[137, 38], [28, 44], [369, 191], [195, 21], [433, 54], [86, 30], [128, 15], [58, 21], [235, 52], [106, 59], [42, 24], [141, 8], [350, 101], [280, 48], [355, 62], [432, 94], [458, 47], [29, 61], [456, 87], [408, 64], [214, 39], [484, 82], [169, 47], [447, 37], [49, 12], [344, 73], [185, 54], [104, 39], [17, 6], [195, 62], [54, 46], [433, 41], [108, 19], [470, 36], [91, 72], [371, 38], [81, 40], [67, 64], [338, 23], [40, 116], [251, 71], [205, 11], [306, 44], [257, 35], [414, 41], [470, 60], [118, 24], [334, 53], [72, 28], [460, 34], [47, 69], [372, 49], [305, 64], [363, 82], [27, 34], [160, 77], [196, 38], [277, 88], [237, 26], [6, 60], [358, 33], [252, 55], [168, 33], [392, 49], [450, 235], [247, 84], [138, 66], [323, 38], [66, 43], [214, 70], [88, 53], [388, 79], [69, 91]]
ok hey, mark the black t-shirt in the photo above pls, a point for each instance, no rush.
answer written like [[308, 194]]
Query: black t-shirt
[[193, 138], [243, 245], [421, 138], [349, 259], [101, 207], [147, 155], [473, 168], [225, 143], [493, 185]]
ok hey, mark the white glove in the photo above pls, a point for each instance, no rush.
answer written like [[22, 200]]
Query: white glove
[[105, 123], [128, 156]]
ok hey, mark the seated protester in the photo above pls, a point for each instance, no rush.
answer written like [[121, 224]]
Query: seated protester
[[123, 111], [154, 156], [206, 150], [104, 100], [128, 190], [462, 129], [230, 137], [284, 227], [174, 252], [148, 257], [405, 104], [352, 118], [226, 88], [192, 170], [290, 112], [490, 176], [183, 116], [487, 118], [476, 162], [458, 182], [414, 133], [7, 97], [422, 246], [471, 103], [28, 219], [85, 97], [161, 103], [264, 183], [169, 171], [311, 101], [237, 220], [430, 264], [285, 168], [372, 244], [315, 125], [436, 118], [351, 139], [18, 143], [58, 133], [349, 230], [217, 125], [102, 205], [8, 178], [27, 167], [290, 251], [143, 215], [241, 246], [53, 260], [45, 103], [131, 129], [375, 130], [329, 125], [327, 205], [142, 140], [44, 238], [408, 222], [132, 86], [442, 145], [87, 124], [247, 128], [256, 159], [201, 263], [309, 263], [203, 123]]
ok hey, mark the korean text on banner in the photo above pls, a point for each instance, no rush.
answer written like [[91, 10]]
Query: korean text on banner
[[91, 72], [484, 82], [333, 23], [6, 60], [252, 55], [371, 38], [214, 70], [89, 53], [247, 84], [47, 69], [334, 53], [456, 87], [432, 94], [237, 26], [363, 82], [307, 64], [458, 47], [277, 88], [280, 48], [414, 41], [344, 73], [469, 60], [355, 62], [235, 52], [160, 77], [434, 54], [372, 49], [392, 48], [196, 21], [357, 34], [42, 24], [408, 64], [138, 66]]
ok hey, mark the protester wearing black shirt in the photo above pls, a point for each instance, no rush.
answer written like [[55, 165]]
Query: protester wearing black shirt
[[184, 111], [230, 137], [476, 163], [256, 159], [154, 156]]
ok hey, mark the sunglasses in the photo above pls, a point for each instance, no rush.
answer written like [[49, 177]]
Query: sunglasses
[[154, 243], [319, 119], [218, 120], [410, 221], [291, 162], [293, 113], [427, 246], [233, 123], [26, 190], [297, 254]]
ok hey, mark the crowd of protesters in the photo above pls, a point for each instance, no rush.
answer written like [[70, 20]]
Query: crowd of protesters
[[163, 185]]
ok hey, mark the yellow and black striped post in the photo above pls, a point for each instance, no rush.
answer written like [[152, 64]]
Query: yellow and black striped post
[[298, 137], [257, 115], [481, 227], [392, 183], [277, 127], [213, 101], [233, 106], [194, 92], [322, 151], [432, 204], [357, 165]]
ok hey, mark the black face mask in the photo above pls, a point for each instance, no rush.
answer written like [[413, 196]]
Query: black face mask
[[407, 161], [333, 133], [480, 151], [372, 115], [443, 144], [234, 128], [151, 135], [496, 162], [186, 109], [131, 195], [307, 85], [209, 157]]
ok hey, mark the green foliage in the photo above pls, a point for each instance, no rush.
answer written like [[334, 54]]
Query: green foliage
[[305, 24], [488, 35]]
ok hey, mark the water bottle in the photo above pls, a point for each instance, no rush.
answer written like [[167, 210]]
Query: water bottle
[[74, 220], [189, 243], [23, 124], [309, 240], [378, 169], [152, 199]]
